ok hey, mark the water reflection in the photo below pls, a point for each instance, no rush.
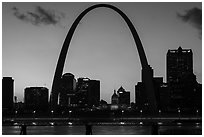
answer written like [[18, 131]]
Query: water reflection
[[101, 130]]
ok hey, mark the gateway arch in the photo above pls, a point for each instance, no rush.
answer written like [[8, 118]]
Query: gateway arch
[[146, 69]]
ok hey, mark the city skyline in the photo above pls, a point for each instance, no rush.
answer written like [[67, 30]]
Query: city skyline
[[112, 63]]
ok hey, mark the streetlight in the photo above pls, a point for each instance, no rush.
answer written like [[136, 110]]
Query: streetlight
[[122, 112], [52, 112], [141, 113], [160, 113], [70, 113], [34, 113], [197, 113], [179, 111], [16, 113]]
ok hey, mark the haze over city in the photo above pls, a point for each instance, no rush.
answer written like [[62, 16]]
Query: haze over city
[[102, 47]]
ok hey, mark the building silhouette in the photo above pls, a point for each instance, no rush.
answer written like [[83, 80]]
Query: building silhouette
[[36, 98], [124, 96], [140, 95], [87, 92], [161, 94], [82, 91], [114, 99], [67, 88], [164, 96], [120, 99], [184, 89], [179, 63], [94, 93], [181, 91], [7, 93]]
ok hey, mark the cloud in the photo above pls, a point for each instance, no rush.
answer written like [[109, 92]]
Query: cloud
[[40, 16], [194, 17]]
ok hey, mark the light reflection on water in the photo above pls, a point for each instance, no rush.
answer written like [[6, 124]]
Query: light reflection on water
[[101, 130]]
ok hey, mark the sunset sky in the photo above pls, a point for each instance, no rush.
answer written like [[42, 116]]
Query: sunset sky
[[102, 47]]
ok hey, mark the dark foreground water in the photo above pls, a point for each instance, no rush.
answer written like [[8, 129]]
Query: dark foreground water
[[103, 130]]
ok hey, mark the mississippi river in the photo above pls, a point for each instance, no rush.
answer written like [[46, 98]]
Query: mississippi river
[[103, 130]]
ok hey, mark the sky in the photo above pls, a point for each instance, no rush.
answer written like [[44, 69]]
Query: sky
[[102, 47]]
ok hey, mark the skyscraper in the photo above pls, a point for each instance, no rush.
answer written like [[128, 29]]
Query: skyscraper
[[88, 92], [82, 91], [140, 95], [7, 92], [180, 79], [124, 96], [67, 87], [94, 93], [160, 92], [179, 64], [36, 98]]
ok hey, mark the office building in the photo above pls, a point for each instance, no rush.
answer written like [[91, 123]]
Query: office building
[[82, 91], [164, 97], [181, 81], [94, 93], [179, 64], [140, 95], [87, 92], [124, 96], [7, 92], [36, 98], [67, 88], [161, 94]]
